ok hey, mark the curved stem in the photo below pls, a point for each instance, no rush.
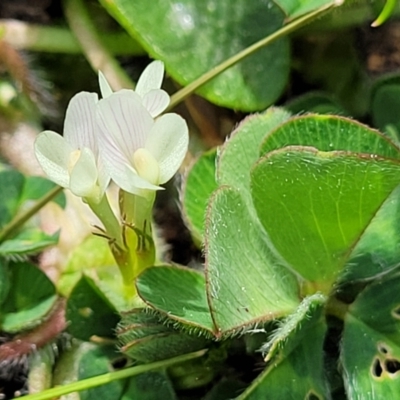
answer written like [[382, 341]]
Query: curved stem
[[96, 53], [9, 229], [292, 26], [112, 376], [385, 14]]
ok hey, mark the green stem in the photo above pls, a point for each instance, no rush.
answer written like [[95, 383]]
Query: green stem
[[112, 376], [95, 51], [107, 217], [336, 308], [53, 39], [385, 14], [292, 26], [9, 229]]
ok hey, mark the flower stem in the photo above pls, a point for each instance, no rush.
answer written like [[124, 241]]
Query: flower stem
[[54, 39], [212, 73], [112, 376], [9, 229], [109, 220], [95, 51]]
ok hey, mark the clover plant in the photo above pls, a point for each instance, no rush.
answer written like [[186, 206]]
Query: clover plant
[[295, 293]]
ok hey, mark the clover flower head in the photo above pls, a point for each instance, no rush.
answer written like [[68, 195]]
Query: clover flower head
[[138, 151], [72, 160], [154, 99]]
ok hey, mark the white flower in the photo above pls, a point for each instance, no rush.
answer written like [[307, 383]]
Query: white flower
[[148, 87], [138, 151], [72, 161]]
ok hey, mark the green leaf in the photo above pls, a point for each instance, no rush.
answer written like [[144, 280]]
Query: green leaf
[[149, 386], [370, 346], [385, 106], [246, 283], [93, 254], [297, 372], [36, 187], [146, 338], [4, 280], [295, 8], [31, 298], [199, 184], [97, 362], [90, 312], [179, 293], [327, 133], [11, 186], [378, 249], [316, 205], [315, 102], [29, 241], [192, 37], [288, 328], [242, 149]]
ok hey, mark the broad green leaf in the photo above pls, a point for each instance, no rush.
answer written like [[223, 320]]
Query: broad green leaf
[[378, 249], [36, 187], [316, 205], [199, 184], [179, 293], [29, 241], [295, 8], [31, 298], [297, 372], [242, 149], [370, 346], [246, 283], [328, 133], [146, 338], [149, 386], [89, 311], [11, 186], [192, 37]]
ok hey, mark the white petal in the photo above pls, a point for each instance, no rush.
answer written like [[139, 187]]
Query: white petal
[[156, 101], [151, 78], [80, 121], [52, 152], [124, 123], [146, 166], [127, 179], [105, 87], [83, 181], [168, 143], [103, 176]]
